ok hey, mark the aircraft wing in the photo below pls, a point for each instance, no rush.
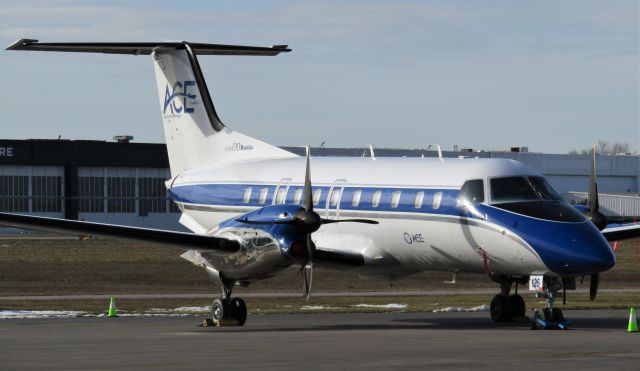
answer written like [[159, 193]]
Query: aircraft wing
[[326, 258], [622, 232], [180, 240]]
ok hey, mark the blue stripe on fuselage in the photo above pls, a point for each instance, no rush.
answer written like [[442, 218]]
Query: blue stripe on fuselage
[[232, 195]]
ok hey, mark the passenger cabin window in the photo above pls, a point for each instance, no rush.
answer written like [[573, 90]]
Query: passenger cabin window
[[417, 203], [297, 196], [335, 197], [282, 191], [472, 191], [262, 198], [437, 198], [316, 196], [395, 199], [375, 200], [355, 201], [246, 196]]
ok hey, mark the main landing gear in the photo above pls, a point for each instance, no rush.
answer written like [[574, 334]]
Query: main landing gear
[[505, 307], [228, 311], [549, 317]]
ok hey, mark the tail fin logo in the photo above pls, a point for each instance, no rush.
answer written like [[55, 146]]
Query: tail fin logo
[[177, 98]]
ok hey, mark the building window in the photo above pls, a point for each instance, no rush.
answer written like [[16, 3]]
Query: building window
[[246, 196], [375, 200], [355, 200], [262, 198], [335, 197], [121, 193], [173, 206], [316, 196], [437, 198], [152, 196], [297, 196], [91, 194], [45, 192], [417, 203], [14, 193], [395, 199]]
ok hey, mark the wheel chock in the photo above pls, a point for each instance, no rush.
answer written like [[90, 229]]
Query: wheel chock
[[208, 322], [227, 322]]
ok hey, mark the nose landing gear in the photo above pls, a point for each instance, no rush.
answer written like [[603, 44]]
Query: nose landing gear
[[549, 317]]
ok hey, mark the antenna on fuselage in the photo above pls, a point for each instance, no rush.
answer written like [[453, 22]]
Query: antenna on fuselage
[[373, 155]]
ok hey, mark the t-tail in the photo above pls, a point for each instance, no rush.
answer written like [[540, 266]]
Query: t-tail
[[194, 133]]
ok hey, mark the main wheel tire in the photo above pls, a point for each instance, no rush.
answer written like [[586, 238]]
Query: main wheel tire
[[517, 307], [219, 310], [238, 310], [499, 309]]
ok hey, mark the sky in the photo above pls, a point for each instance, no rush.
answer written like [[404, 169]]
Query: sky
[[550, 75]]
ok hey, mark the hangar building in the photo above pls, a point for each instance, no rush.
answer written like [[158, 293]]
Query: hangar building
[[123, 183]]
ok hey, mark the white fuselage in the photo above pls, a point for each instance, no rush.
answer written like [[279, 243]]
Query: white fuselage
[[422, 224]]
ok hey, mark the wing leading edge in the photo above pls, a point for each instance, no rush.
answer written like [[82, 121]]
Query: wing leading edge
[[622, 232], [181, 240]]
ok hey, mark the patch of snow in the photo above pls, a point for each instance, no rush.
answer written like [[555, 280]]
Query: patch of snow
[[479, 308], [204, 309], [10, 314], [315, 307], [384, 306]]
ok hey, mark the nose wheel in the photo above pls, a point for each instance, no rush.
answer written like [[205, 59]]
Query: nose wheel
[[549, 318]]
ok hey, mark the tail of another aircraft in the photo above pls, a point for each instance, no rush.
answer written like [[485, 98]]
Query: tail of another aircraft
[[194, 133]]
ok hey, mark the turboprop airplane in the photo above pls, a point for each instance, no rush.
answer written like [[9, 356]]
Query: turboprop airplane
[[254, 210]]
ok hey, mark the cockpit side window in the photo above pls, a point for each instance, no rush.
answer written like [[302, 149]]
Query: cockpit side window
[[472, 191], [519, 188]]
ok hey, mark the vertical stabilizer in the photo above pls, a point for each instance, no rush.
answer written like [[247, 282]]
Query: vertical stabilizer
[[194, 133]]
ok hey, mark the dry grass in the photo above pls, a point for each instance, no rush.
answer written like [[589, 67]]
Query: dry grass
[[97, 266]]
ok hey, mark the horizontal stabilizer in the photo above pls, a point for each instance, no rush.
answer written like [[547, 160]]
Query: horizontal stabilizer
[[167, 238], [146, 48]]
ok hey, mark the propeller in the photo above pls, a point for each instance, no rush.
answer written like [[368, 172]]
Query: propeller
[[595, 216], [307, 221], [593, 208], [593, 286]]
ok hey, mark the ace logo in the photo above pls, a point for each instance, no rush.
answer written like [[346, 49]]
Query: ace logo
[[177, 98]]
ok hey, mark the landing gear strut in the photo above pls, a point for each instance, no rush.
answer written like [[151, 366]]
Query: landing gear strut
[[227, 309], [505, 307], [549, 317]]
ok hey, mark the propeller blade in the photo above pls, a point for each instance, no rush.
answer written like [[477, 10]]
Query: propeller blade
[[593, 286], [593, 208], [308, 277], [308, 270], [592, 200], [307, 193], [366, 221]]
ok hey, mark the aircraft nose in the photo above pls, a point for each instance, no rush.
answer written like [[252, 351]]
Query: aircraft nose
[[590, 252]]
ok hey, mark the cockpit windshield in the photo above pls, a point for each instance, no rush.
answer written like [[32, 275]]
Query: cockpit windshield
[[522, 188]]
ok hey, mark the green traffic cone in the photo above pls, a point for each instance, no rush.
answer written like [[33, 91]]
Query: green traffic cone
[[112, 308], [633, 323]]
